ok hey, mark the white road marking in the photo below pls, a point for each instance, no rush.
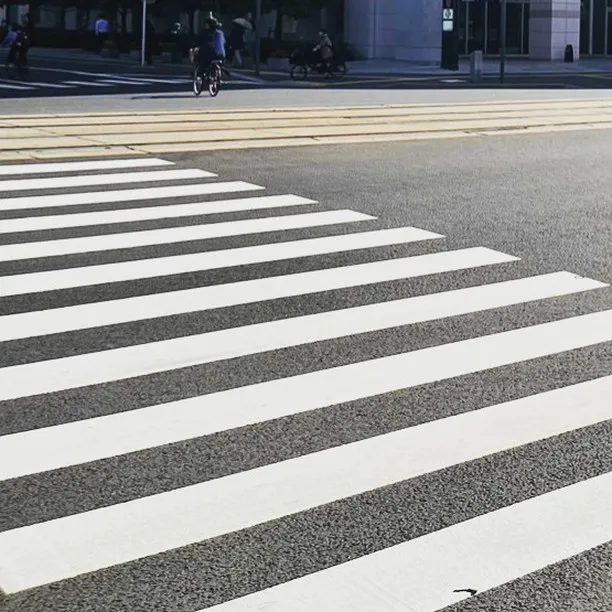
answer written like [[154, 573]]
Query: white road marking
[[146, 80], [120, 82], [167, 355], [173, 211], [98, 438], [111, 242], [46, 552], [482, 553], [35, 84], [86, 83], [53, 280], [98, 314], [16, 87], [115, 178], [124, 195], [81, 166], [50, 85]]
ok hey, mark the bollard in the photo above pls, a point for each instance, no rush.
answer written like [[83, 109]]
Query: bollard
[[569, 53], [475, 66]]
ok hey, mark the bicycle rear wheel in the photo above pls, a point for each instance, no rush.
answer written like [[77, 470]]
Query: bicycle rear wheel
[[214, 81]]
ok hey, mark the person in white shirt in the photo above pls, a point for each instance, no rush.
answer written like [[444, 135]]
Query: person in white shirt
[[102, 28]]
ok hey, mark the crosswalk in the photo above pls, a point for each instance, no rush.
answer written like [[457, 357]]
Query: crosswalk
[[103, 82], [213, 397]]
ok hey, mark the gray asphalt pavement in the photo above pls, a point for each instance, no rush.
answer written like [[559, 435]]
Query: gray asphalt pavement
[[63, 85], [542, 199]]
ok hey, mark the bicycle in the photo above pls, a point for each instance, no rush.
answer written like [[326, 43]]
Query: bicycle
[[303, 61], [16, 67], [212, 77]]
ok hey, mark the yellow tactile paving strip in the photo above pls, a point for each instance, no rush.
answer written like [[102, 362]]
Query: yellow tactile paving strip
[[98, 135]]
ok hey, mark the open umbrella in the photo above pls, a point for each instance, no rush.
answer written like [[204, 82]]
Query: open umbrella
[[243, 23]]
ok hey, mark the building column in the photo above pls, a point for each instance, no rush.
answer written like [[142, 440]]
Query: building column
[[553, 24], [366, 27]]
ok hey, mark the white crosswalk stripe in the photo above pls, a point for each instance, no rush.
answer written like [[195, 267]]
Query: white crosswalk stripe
[[87, 83], [16, 87], [115, 358], [31, 184], [35, 84], [105, 81]]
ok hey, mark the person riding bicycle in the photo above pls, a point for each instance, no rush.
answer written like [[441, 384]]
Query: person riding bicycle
[[325, 49], [211, 45], [18, 43]]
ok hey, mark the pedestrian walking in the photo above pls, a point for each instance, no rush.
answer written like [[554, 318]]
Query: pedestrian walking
[[235, 40]]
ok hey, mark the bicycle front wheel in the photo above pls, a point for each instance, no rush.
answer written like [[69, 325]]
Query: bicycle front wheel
[[339, 70], [298, 73]]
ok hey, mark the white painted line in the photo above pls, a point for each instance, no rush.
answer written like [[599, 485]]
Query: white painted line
[[17, 87], [51, 85], [98, 438], [111, 242], [155, 357], [85, 83], [124, 195], [423, 574], [156, 81], [52, 280], [173, 211], [98, 314], [73, 545], [81, 166], [119, 82], [87, 180], [246, 78]]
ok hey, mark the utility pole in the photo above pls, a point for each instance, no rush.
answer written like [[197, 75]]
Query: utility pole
[[144, 32], [502, 40], [257, 37]]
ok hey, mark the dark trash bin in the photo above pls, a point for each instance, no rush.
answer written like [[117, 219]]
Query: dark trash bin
[[569, 53]]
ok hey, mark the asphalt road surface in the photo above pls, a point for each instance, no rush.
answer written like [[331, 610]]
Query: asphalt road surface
[[52, 79], [59, 77], [388, 382]]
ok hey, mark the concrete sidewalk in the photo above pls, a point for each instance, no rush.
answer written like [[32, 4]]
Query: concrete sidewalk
[[490, 66]]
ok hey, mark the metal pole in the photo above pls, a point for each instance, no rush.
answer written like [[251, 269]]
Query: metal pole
[[502, 45], [144, 32], [257, 37]]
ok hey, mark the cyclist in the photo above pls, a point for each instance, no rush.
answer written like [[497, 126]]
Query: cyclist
[[17, 41], [325, 49], [212, 45]]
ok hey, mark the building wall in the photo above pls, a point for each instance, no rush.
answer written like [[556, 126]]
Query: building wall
[[13, 13], [418, 30], [394, 29], [553, 24], [411, 30]]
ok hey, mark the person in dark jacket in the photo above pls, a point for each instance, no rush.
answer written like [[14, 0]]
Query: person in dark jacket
[[211, 43]]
